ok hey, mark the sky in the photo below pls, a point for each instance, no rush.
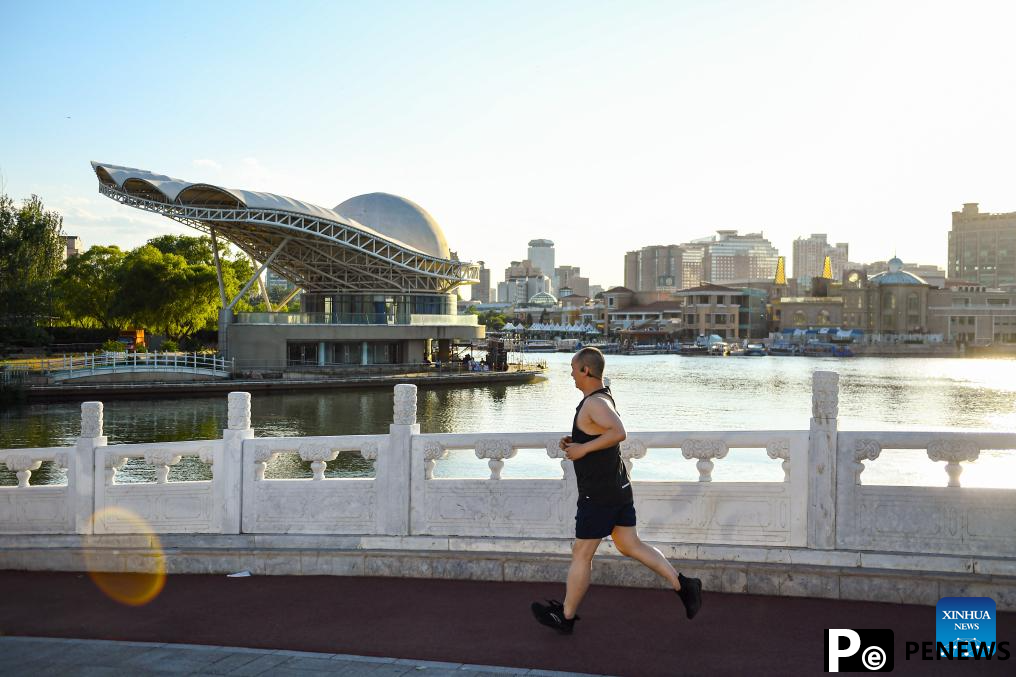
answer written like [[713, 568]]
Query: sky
[[603, 126]]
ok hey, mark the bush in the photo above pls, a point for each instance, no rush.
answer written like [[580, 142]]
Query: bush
[[112, 346], [170, 346], [141, 348]]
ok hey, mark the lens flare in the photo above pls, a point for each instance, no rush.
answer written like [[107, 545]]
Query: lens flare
[[133, 573]]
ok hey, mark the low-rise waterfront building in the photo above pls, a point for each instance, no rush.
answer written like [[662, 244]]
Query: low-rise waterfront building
[[378, 281], [972, 314]]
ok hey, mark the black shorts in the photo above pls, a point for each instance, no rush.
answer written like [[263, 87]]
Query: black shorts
[[597, 521]]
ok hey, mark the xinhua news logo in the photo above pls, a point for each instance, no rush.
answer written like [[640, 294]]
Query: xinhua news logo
[[849, 650], [965, 626]]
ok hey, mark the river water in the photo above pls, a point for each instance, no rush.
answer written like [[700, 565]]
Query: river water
[[653, 392]]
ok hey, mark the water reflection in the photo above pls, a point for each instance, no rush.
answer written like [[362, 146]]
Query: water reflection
[[661, 392]]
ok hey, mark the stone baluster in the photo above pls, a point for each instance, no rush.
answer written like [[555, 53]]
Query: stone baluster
[[112, 464], [161, 458], [228, 473], [630, 450], [953, 452], [207, 456], [318, 454], [22, 465], [496, 451], [822, 460], [865, 449], [554, 450], [369, 451], [263, 454], [704, 451], [780, 449], [432, 453]]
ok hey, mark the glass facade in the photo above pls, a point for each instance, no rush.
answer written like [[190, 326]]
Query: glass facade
[[343, 353], [378, 308]]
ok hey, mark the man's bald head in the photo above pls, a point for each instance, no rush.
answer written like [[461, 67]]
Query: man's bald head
[[591, 358]]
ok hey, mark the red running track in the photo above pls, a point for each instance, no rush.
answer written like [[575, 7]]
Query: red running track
[[623, 631]]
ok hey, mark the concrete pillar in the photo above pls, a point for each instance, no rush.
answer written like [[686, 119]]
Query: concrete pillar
[[364, 353], [321, 354], [822, 454]]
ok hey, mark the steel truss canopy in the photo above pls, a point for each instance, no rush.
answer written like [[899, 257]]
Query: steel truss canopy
[[317, 249]]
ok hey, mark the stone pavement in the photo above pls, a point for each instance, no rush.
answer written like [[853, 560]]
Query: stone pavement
[[41, 656]]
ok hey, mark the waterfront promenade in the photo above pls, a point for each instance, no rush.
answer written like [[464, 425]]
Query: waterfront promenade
[[623, 631]]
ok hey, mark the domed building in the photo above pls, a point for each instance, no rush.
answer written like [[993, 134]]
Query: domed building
[[543, 299], [891, 302], [376, 277]]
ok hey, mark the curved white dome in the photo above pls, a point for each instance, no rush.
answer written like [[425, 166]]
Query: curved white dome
[[397, 218]]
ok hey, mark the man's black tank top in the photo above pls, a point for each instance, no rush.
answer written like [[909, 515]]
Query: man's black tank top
[[601, 475]]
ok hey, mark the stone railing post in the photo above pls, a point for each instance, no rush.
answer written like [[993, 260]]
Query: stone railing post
[[81, 468], [393, 468], [227, 474], [822, 460]]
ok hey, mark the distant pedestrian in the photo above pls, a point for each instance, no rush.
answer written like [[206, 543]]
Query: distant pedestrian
[[606, 504]]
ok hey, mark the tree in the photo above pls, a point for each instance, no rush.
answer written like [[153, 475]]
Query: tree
[[31, 246], [88, 289], [164, 293]]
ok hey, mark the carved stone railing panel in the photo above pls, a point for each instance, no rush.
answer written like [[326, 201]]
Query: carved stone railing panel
[[953, 452], [263, 455], [704, 450]]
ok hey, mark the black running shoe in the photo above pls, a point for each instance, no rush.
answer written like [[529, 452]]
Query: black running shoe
[[691, 594], [551, 614]]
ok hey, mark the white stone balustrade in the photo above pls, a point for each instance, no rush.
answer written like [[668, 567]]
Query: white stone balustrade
[[821, 503]]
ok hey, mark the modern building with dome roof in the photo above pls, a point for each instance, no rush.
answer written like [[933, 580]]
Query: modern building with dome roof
[[891, 302], [376, 277]]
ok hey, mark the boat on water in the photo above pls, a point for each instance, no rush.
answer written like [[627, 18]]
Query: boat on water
[[567, 345], [755, 350], [783, 348], [539, 346], [825, 349]]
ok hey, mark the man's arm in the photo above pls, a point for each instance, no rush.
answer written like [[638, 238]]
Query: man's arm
[[603, 416]]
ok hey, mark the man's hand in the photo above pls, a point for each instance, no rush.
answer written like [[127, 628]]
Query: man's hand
[[574, 451], [565, 441]]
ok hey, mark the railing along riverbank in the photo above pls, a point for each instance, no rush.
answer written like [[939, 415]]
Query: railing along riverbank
[[819, 532]]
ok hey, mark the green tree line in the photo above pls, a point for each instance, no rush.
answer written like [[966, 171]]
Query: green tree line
[[168, 286]]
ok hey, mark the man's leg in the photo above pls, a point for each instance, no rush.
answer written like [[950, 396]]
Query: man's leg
[[578, 575], [628, 543]]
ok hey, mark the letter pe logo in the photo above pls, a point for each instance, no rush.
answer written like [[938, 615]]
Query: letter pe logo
[[848, 650], [966, 620]]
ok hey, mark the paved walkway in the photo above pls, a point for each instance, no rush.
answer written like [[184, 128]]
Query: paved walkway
[[39, 656], [623, 631]]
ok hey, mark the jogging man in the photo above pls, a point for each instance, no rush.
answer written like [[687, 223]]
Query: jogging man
[[606, 505]]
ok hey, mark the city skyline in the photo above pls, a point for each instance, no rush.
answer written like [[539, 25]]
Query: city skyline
[[613, 129]]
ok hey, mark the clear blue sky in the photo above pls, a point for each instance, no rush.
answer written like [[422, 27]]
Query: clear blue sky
[[602, 126]]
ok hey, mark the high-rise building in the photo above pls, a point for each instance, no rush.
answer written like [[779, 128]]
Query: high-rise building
[[654, 268], [810, 254], [481, 291], [72, 246], [541, 253], [982, 247], [728, 256], [568, 276]]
